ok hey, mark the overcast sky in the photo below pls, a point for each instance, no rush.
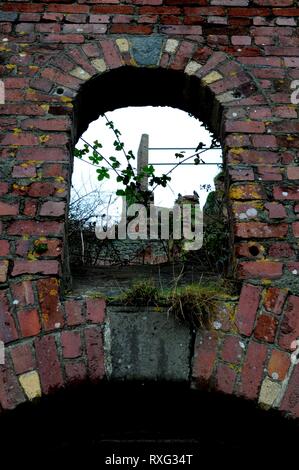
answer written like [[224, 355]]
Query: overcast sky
[[167, 127]]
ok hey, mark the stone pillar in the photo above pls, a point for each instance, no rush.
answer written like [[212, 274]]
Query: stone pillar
[[142, 159]]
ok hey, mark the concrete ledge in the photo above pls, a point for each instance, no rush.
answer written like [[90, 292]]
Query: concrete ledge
[[144, 344]]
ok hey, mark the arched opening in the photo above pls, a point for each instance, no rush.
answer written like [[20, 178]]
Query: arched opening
[[156, 87], [95, 423]]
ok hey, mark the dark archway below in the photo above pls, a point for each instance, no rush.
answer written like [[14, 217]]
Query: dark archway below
[[136, 419]]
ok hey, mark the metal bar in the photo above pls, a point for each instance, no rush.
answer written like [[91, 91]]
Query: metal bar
[[180, 148], [193, 164]]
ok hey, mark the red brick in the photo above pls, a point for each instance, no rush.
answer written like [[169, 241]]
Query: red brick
[[265, 329], [260, 269], [95, 353], [59, 124], [111, 54], [75, 371], [285, 194], [290, 402], [4, 247], [11, 393], [52, 209], [3, 188], [252, 127], [225, 378], [267, 173], [24, 171], [22, 293], [182, 56], [253, 368], [29, 322], [281, 250], [45, 154], [23, 266], [95, 309], [48, 294], [22, 357], [23, 247], [54, 247], [22, 109], [247, 308], [289, 328], [279, 364], [30, 208], [63, 38], [71, 344], [41, 190], [8, 209], [30, 227], [130, 29], [231, 349], [295, 227], [48, 364], [274, 299], [276, 211], [8, 331], [204, 357], [293, 172], [260, 230], [74, 313]]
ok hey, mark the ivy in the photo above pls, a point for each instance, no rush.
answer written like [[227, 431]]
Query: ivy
[[125, 174]]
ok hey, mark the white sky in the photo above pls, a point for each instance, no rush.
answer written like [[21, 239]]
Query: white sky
[[167, 127]]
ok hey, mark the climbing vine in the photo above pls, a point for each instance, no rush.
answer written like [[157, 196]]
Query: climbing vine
[[125, 173]]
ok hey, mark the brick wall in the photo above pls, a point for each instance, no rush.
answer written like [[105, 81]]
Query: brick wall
[[229, 62]]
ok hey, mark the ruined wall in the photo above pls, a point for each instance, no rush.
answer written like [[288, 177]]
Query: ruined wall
[[230, 62]]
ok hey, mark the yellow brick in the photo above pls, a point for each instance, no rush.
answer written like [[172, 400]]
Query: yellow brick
[[31, 384], [212, 77], [122, 44]]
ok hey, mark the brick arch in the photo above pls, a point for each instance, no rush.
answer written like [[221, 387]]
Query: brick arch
[[51, 341]]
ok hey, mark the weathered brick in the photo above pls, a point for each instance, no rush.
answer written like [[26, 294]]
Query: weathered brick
[[274, 299], [276, 211], [22, 293], [74, 312], [22, 357], [8, 331], [289, 328], [95, 309], [260, 230], [278, 365], [95, 353], [71, 344], [75, 371], [247, 308], [281, 250], [8, 209], [204, 357], [290, 402], [11, 393], [265, 329], [225, 378], [231, 349], [24, 266], [48, 363], [52, 209], [31, 227], [260, 269], [4, 247], [48, 293], [253, 368], [29, 322]]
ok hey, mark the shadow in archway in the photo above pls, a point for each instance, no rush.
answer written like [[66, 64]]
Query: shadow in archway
[[93, 423]]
